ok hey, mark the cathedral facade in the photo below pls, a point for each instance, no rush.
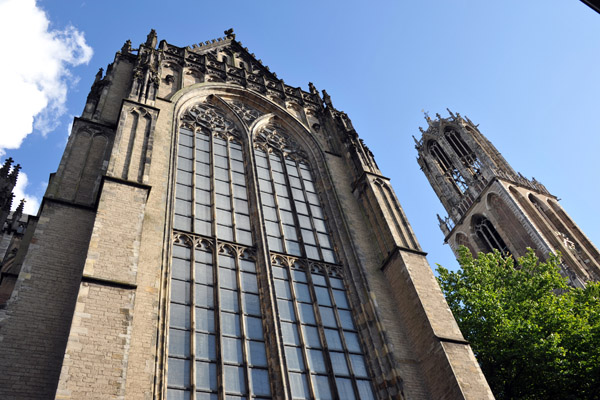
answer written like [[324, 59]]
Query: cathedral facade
[[214, 233], [491, 206]]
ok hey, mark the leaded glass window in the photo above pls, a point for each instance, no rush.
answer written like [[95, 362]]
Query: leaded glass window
[[216, 336], [323, 354]]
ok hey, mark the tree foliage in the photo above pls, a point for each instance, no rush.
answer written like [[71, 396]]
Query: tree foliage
[[534, 336]]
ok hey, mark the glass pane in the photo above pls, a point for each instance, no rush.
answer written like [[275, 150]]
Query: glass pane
[[293, 247], [223, 202], [333, 339], [240, 192], [289, 232], [230, 324], [311, 336], [229, 300], [247, 265], [179, 316], [301, 206], [184, 177], [286, 310], [327, 316], [241, 206], [206, 396], [316, 361], [282, 289], [204, 273], [270, 213], [184, 192], [307, 314], [202, 168], [256, 353], [237, 165], [323, 296], [324, 240], [346, 319], [302, 293], [202, 182], [202, 227], [358, 365], [352, 342], [227, 278], [182, 223], [293, 356], [259, 381], [254, 329], [275, 244], [205, 346], [234, 379], [179, 343], [226, 262], [174, 394], [321, 387], [249, 283], [179, 373], [290, 334], [225, 232], [203, 256], [328, 256], [206, 375], [299, 386], [287, 217], [338, 361], [279, 272], [319, 280], [204, 296], [344, 387], [232, 350], [242, 222], [205, 320], [340, 299], [202, 196], [312, 252], [203, 212], [364, 390], [224, 217], [180, 291], [319, 225], [183, 207], [298, 275], [251, 303]]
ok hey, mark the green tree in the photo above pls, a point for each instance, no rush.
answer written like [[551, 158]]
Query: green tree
[[534, 336]]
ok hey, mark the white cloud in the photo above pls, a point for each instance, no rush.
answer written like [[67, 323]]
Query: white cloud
[[34, 74], [32, 203]]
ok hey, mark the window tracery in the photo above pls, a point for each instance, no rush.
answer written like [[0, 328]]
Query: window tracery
[[216, 336]]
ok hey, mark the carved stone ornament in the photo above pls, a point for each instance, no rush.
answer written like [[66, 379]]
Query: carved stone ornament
[[245, 112], [275, 137], [210, 118]]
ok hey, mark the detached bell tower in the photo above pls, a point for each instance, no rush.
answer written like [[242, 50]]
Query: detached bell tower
[[490, 206]]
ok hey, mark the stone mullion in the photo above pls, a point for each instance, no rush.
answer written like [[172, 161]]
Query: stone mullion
[[231, 198], [341, 332], [276, 201], [321, 330], [193, 319], [194, 160], [310, 215], [217, 320], [292, 203], [299, 329], [243, 337]]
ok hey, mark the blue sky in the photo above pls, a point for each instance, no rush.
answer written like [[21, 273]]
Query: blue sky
[[525, 71]]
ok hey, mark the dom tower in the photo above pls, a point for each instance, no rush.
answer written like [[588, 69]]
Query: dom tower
[[215, 233], [490, 206]]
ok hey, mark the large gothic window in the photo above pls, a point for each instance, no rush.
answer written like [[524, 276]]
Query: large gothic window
[[216, 336], [216, 339]]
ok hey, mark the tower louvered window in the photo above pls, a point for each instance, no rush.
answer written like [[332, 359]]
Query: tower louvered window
[[464, 152], [489, 236], [216, 335]]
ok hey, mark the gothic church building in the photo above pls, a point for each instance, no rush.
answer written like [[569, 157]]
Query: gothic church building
[[214, 233]]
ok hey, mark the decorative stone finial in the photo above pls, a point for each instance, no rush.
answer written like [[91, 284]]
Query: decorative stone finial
[[327, 99], [99, 75], [451, 114], [126, 49], [229, 34], [312, 88], [151, 39]]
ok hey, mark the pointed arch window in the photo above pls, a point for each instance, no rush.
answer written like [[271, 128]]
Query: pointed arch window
[[489, 236], [444, 162], [463, 151], [323, 353], [216, 340]]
